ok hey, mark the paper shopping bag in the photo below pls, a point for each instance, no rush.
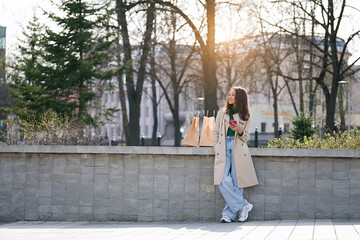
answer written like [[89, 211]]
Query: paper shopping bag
[[191, 138], [206, 138]]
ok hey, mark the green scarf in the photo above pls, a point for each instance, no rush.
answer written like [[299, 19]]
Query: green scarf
[[230, 132]]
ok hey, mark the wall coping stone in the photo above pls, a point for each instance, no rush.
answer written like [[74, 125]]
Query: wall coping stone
[[167, 150]]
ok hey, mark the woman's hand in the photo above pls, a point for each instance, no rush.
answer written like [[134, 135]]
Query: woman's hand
[[236, 128]]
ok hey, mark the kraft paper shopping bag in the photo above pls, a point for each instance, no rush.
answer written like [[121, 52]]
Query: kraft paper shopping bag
[[206, 138], [191, 138]]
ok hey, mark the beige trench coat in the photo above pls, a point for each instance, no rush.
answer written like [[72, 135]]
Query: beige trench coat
[[245, 171]]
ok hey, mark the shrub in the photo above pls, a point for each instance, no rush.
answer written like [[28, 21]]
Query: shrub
[[336, 140], [51, 129], [302, 127]]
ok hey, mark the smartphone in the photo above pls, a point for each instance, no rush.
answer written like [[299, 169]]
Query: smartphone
[[233, 122]]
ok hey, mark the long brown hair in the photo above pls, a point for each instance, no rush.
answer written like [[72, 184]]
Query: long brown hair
[[241, 103]]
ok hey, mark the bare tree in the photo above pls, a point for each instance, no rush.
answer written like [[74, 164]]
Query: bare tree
[[207, 47], [134, 89], [171, 69], [235, 63], [122, 96], [332, 50], [236, 66], [341, 108], [154, 100], [272, 56], [271, 51]]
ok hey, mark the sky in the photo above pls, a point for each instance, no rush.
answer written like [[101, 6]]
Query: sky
[[15, 14]]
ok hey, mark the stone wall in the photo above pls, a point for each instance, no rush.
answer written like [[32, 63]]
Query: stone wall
[[83, 183]]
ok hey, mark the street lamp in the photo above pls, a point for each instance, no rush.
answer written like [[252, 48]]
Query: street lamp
[[142, 140], [348, 102], [159, 139], [256, 137], [321, 110], [200, 101], [182, 130]]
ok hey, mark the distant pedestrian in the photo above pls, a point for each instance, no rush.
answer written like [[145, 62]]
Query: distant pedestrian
[[234, 168]]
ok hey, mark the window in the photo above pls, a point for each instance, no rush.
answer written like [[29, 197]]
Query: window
[[114, 133], [263, 127], [105, 98], [147, 130], [286, 127], [2, 43]]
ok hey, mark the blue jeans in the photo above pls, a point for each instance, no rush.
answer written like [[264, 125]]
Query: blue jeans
[[228, 187]]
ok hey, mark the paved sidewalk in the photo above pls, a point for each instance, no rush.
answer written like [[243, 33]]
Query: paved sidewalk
[[253, 230]]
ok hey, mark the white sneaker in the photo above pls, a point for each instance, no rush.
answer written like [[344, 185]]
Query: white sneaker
[[244, 213], [226, 219]]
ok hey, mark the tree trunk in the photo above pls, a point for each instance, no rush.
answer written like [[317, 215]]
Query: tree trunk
[[330, 114], [134, 125], [341, 108], [336, 65], [124, 115], [134, 94], [273, 87], [209, 61], [155, 113], [175, 85], [312, 91], [331, 104], [301, 89], [123, 107], [154, 98], [291, 97], [276, 118], [122, 22], [299, 62], [176, 121]]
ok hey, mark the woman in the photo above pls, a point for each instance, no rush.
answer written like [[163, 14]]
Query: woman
[[233, 168]]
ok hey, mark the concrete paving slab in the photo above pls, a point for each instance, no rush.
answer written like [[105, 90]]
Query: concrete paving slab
[[255, 230], [304, 229], [345, 231], [324, 229], [282, 231]]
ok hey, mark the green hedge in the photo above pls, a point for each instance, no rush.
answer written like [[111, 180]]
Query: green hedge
[[336, 140], [51, 129]]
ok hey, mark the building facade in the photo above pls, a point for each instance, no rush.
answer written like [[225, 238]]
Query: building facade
[[4, 93], [255, 81], [2, 53]]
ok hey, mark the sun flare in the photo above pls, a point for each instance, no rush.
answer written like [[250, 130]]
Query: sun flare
[[229, 26]]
